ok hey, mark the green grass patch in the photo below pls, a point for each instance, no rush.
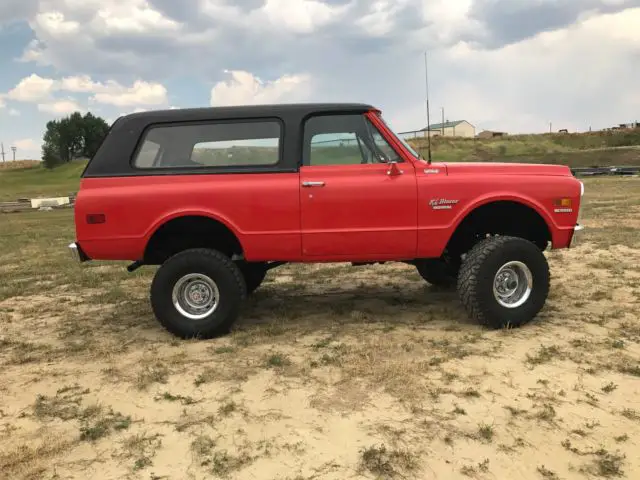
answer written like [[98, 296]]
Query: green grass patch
[[37, 181]]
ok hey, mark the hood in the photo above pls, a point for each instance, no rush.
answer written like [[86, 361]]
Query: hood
[[489, 168]]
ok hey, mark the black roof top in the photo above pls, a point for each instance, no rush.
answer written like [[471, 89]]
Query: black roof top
[[301, 109]]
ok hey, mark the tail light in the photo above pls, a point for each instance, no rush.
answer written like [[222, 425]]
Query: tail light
[[96, 218]]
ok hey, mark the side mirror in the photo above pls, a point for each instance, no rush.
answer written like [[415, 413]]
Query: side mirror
[[393, 169]]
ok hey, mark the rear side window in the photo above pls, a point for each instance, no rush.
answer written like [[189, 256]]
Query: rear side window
[[220, 144], [147, 154]]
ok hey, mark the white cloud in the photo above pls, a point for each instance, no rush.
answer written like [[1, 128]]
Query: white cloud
[[56, 25], [146, 109], [243, 88], [33, 52], [26, 144], [136, 17], [141, 93], [302, 16], [379, 21], [36, 89], [80, 84], [26, 148], [60, 107], [11, 10], [32, 89], [445, 22], [113, 93]]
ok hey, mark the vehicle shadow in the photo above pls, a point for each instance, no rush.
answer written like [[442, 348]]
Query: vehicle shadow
[[320, 306]]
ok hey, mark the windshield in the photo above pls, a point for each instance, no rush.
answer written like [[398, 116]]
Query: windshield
[[402, 140]]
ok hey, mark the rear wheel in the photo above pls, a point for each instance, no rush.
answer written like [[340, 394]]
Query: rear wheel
[[504, 281], [197, 293]]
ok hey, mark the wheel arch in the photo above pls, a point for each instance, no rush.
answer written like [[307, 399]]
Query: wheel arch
[[506, 215], [190, 229]]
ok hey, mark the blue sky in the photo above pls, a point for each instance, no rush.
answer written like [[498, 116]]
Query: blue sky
[[500, 64]]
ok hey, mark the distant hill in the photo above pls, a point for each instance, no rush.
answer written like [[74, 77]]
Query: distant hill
[[575, 150]]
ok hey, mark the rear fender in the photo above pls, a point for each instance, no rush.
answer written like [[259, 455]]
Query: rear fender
[[192, 213]]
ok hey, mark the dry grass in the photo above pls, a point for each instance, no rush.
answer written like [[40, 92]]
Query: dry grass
[[333, 372], [576, 150], [19, 164]]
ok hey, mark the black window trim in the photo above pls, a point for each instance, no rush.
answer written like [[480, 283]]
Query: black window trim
[[188, 169]]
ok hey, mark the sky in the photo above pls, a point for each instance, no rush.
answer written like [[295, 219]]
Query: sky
[[509, 65]]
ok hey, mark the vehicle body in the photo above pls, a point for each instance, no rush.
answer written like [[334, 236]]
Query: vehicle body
[[253, 187]]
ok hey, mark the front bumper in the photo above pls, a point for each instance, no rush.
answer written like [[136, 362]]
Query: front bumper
[[76, 253], [577, 233]]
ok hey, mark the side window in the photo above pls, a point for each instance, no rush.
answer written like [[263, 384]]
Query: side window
[[338, 148], [148, 154], [381, 144], [344, 140], [220, 144]]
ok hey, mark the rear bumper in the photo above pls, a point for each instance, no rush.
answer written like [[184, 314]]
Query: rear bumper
[[76, 253]]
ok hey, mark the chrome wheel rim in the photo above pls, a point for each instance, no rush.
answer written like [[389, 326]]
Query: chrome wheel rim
[[512, 284], [195, 296]]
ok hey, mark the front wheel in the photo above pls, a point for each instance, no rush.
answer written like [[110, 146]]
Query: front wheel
[[504, 281], [197, 293]]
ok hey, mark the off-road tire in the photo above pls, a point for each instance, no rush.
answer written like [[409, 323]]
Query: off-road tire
[[254, 275], [437, 272], [476, 281], [219, 268]]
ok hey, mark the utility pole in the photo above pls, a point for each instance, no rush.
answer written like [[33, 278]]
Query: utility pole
[[2, 150], [13, 149], [426, 79], [442, 121], [550, 127]]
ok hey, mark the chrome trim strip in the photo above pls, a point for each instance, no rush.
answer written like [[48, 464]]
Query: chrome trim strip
[[313, 184]]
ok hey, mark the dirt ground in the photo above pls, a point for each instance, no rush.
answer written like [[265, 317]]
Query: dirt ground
[[332, 372]]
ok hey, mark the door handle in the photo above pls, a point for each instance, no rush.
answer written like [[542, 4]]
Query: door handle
[[312, 184]]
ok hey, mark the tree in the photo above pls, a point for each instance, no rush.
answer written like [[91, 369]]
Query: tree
[[72, 137]]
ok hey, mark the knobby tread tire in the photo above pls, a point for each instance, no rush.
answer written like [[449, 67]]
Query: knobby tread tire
[[482, 307], [230, 282]]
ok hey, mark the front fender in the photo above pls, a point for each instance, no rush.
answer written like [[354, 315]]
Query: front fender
[[505, 196]]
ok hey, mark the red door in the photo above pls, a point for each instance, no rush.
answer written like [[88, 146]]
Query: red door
[[355, 203]]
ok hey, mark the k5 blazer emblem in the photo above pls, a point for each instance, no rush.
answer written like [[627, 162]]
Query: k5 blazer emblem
[[442, 203]]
